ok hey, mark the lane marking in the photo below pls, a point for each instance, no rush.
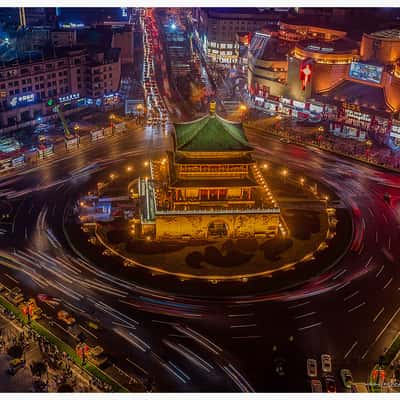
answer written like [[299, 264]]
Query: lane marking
[[368, 262], [137, 366], [309, 326], [350, 349], [384, 217], [339, 274], [376, 236], [386, 326], [342, 286], [247, 337], [378, 315], [305, 315], [391, 343], [380, 271], [365, 354], [351, 295], [87, 331], [156, 321], [10, 277], [298, 305], [388, 283], [389, 242], [241, 315], [243, 326], [357, 307]]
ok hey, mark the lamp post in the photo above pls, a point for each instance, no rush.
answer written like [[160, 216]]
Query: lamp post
[[243, 110], [320, 134], [368, 144], [112, 118], [285, 173]]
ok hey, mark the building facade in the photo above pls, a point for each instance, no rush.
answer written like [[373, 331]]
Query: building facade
[[354, 88], [209, 186], [30, 88], [218, 29]]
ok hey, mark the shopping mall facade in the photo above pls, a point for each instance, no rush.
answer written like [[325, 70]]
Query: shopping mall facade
[[320, 74]]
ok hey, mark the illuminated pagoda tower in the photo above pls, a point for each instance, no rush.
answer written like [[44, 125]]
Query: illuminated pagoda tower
[[208, 186]]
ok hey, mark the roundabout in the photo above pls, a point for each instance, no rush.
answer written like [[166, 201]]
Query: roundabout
[[207, 211], [312, 311], [222, 259]]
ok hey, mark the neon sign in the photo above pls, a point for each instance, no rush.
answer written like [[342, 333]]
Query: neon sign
[[305, 75], [22, 100], [73, 96]]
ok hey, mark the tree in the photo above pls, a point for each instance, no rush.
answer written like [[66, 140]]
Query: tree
[[15, 351], [38, 368], [65, 388]]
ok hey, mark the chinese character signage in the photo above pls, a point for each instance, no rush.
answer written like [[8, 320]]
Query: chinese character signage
[[69, 97], [22, 100]]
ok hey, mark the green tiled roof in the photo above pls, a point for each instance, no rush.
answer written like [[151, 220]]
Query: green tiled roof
[[211, 133]]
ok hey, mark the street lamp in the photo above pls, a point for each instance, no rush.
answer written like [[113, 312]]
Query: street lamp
[[368, 148], [146, 163], [111, 118], [285, 174], [320, 133], [243, 110]]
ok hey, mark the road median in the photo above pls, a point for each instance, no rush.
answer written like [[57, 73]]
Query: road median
[[62, 346]]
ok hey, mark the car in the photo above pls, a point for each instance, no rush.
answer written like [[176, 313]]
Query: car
[[326, 363], [97, 357], [330, 384], [347, 378], [285, 140], [312, 367], [93, 325], [64, 316], [316, 386], [387, 197], [279, 363]]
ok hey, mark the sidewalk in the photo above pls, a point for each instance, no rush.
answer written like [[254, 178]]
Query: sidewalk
[[367, 152]]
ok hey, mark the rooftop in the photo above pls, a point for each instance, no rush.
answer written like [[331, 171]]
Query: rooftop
[[210, 133], [264, 47], [344, 45], [387, 34], [364, 95]]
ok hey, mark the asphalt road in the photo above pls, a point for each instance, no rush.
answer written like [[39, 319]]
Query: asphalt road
[[350, 312]]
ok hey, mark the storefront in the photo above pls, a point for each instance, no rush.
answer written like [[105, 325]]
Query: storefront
[[395, 133]]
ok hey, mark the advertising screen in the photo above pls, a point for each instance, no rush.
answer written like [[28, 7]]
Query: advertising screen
[[366, 72]]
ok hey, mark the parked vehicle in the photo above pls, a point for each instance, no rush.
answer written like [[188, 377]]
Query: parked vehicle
[[330, 384], [316, 386], [347, 378], [326, 363], [66, 317], [312, 367]]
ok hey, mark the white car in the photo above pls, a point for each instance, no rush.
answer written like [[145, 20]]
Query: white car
[[347, 378], [312, 367], [316, 386], [326, 363]]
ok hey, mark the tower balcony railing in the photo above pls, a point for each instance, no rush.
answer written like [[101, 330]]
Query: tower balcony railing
[[220, 211]]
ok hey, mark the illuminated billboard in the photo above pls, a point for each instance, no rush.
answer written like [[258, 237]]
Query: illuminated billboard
[[366, 72]]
